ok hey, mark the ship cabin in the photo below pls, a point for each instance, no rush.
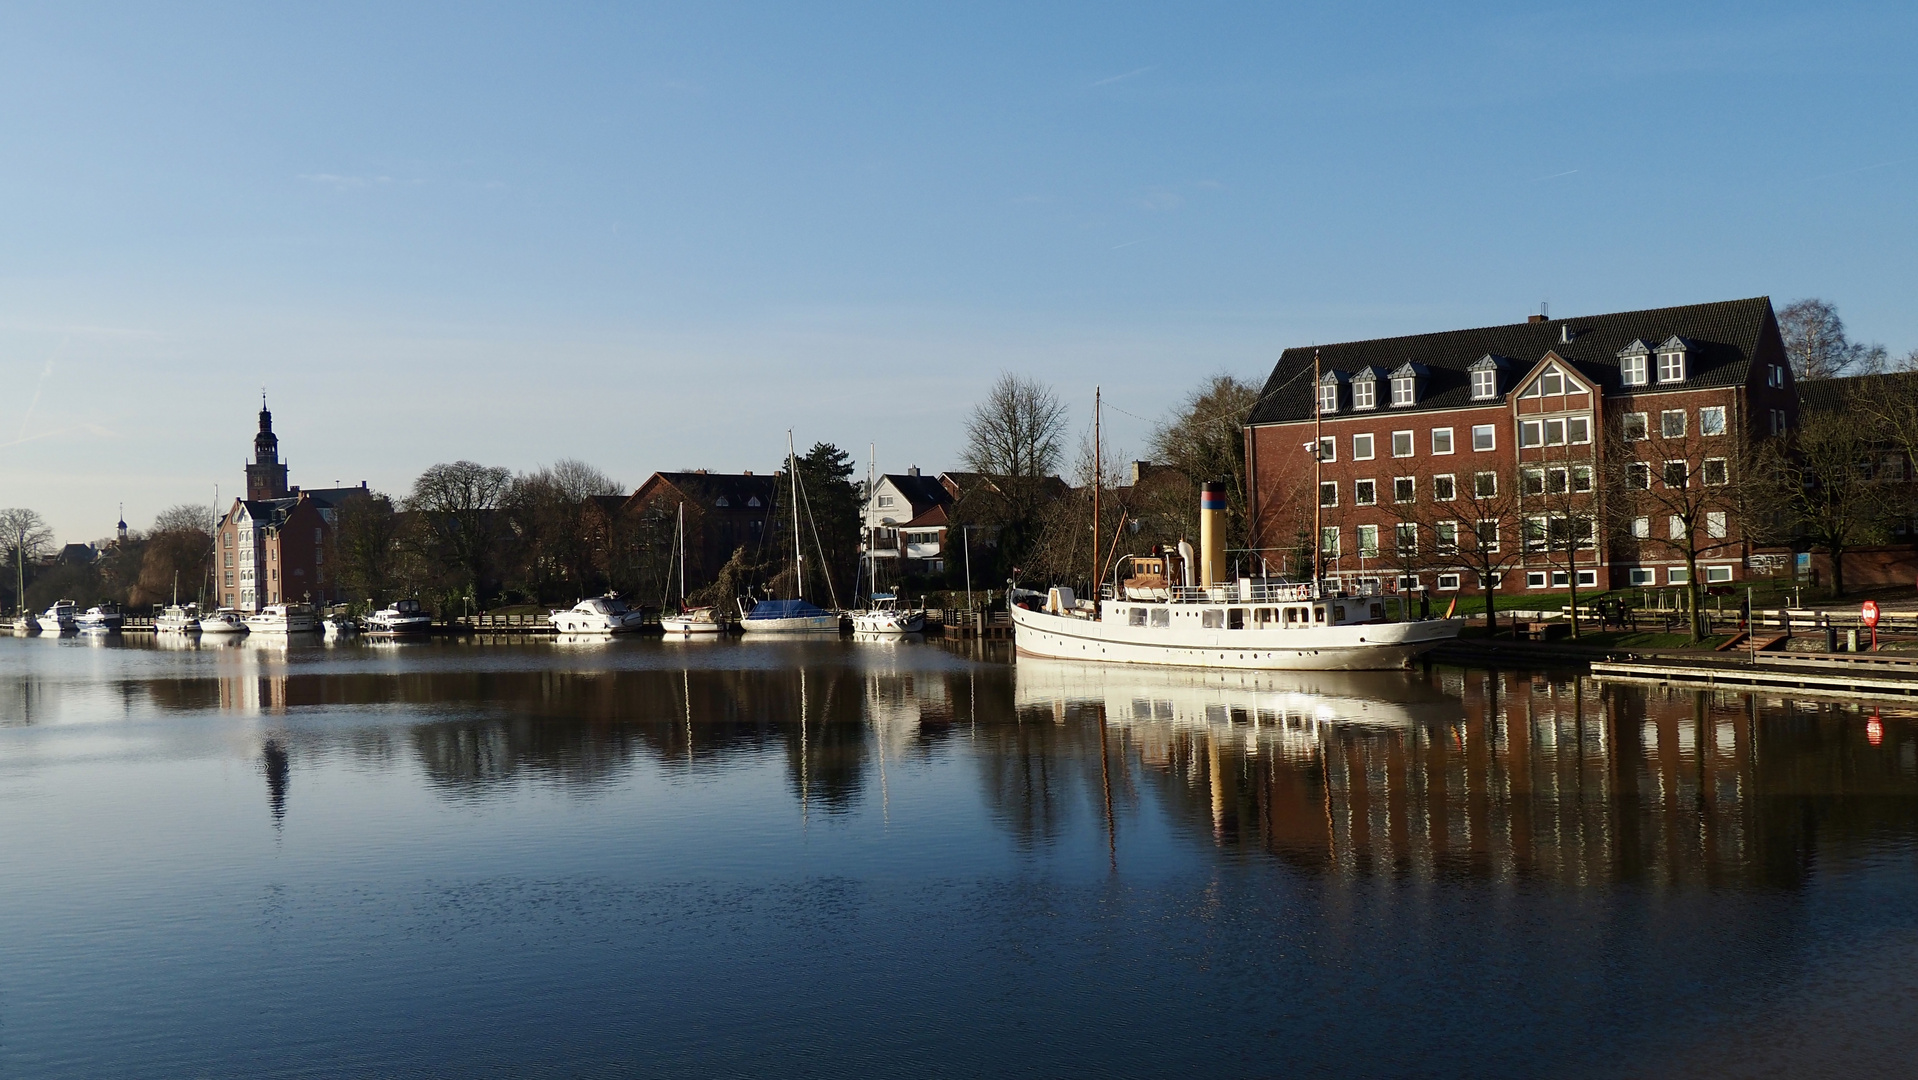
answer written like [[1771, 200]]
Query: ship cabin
[[1146, 598]]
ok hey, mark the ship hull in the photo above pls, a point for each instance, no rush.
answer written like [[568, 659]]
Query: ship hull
[[1359, 647]]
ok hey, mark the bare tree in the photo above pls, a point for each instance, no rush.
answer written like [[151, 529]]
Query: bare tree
[[1204, 440], [1830, 488], [1474, 528], [1560, 490], [1682, 482], [24, 536], [177, 552], [1818, 346], [458, 512], [547, 513], [366, 534], [1015, 434]]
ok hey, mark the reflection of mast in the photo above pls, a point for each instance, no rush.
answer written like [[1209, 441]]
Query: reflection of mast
[[686, 685], [1105, 783], [273, 759], [805, 769]]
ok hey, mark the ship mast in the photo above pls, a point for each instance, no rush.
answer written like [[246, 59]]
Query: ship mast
[[1318, 471], [1097, 470], [799, 556]]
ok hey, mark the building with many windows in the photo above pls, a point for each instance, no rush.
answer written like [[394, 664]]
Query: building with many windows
[[271, 547], [1376, 443]]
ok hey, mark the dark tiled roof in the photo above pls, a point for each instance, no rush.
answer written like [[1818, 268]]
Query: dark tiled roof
[[706, 489], [921, 491], [1832, 395], [1723, 337], [331, 498]]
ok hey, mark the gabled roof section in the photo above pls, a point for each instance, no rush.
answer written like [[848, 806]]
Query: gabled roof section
[[1721, 340], [1489, 362], [921, 491], [1836, 395], [1636, 348], [711, 491], [1675, 344]]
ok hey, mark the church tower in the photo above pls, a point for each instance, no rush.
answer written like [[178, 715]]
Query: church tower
[[266, 477]]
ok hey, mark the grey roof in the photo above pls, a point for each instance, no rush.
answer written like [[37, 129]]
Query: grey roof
[[923, 492], [705, 489], [331, 498], [1832, 395], [1721, 338]]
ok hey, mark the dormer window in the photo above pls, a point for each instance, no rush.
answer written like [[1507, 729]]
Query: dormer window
[[1671, 361], [1484, 373], [722, 501], [1365, 389], [1329, 391], [752, 500], [1633, 364], [1405, 385]]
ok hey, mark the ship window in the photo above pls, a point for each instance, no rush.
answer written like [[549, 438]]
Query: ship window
[[1263, 616], [1161, 617], [1136, 617], [1210, 619], [1235, 619], [1338, 613], [1318, 614], [1291, 616]]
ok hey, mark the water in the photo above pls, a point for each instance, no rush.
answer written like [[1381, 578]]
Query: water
[[811, 858]]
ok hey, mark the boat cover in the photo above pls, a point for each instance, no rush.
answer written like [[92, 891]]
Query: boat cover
[[784, 609]]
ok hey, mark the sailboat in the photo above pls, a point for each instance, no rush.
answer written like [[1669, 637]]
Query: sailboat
[[699, 620], [177, 619], [24, 622], [798, 615], [882, 614]]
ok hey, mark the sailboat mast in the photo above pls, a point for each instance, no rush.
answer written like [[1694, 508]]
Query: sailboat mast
[[682, 553], [1097, 469], [1318, 471], [799, 555]]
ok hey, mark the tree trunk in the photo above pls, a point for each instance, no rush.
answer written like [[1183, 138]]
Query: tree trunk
[[1571, 579], [1691, 594], [1837, 552], [1491, 607]]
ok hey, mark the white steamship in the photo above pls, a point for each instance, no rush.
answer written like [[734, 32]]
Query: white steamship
[[1250, 623]]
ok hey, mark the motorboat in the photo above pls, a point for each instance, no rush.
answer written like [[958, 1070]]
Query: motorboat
[[283, 619], [399, 618], [886, 617], [699, 620], [788, 617], [26, 623], [597, 615], [177, 619], [101, 618], [336, 627], [61, 617], [224, 621]]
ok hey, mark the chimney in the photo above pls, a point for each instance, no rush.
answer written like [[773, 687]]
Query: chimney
[[1535, 318], [1138, 470], [1565, 333], [748, 472], [1211, 534], [912, 470]]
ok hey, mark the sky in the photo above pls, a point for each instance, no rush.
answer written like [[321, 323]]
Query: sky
[[658, 237]]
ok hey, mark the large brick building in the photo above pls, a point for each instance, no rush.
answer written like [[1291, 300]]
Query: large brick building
[[271, 547], [1536, 412]]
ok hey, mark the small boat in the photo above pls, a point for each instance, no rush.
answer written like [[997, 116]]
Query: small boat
[[101, 618], [224, 621], [699, 620], [788, 617], [336, 627], [886, 617], [399, 618], [25, 623], [177, 619], [283, 619], [597, 615], [61, 617]]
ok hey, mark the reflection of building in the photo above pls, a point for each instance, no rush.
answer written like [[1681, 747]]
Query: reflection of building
[[272, 545]]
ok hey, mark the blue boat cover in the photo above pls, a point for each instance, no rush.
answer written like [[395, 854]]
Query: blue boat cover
[[783, 609]]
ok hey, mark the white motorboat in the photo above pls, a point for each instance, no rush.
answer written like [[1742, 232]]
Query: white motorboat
[[336, 627], [283, 619], [223, 621], [61, 617], [693, 620], [100, 619], [177, 619], [597, 615], [398, 619], [885, 617]]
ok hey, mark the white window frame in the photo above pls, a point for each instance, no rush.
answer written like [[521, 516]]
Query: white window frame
[[1477, 476], [1583, 481], [1328, 398], [1489, 440], [1537, 579], [1329, 532], [1678, 575], [1368, 550], [1641, 528], [1642, 422], [1671, 367], [1664, 474], [1367, 400], [1359, 492], [1405, 391], [1399, 533], [1710, 417], [1368, 444], [1665, 423], [1484, 384], [1717, 525], [1411, 444], [1725, 472], [1633, 370], [1588, 579], [1447, 433], [1439, 543], [1478, 530], [1641, 575], [1719, 574], [1329, 448], [1448, 582], [1531, 433], [1578, 430], [1330, 487], [1412, 485], [1447, 478]]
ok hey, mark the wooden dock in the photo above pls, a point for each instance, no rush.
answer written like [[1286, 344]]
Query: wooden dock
[[1839, 674]]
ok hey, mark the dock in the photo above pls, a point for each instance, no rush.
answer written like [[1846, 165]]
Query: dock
[[1840, 674]]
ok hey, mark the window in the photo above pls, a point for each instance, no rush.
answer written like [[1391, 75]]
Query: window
[[1365, 393], [1555, 432], [1407, 536], [722, 501], [1442, 440], [1578, 429], [1361, 448], [1445, 537], [1498, 578], [1365, 492], [1368, 541], [1671, 423], [1558, 481], [1448, 582], [1136, 617], [1484, 437], [1162, 617], [1642, 528], [1711, 420], [1537, 579], [1671, 367], [1487, 533], [1717, 474], [1558, 579], [1582, 478], [1718, 574], [1715, 524], [1485, 485], [1675, 527], [1588, 579], [1551, 383], [1676, 473], [1404, 391], [1401, 444], [1235, 618], [1329, 541], [1328, 449], [1404, 489], [1634, 425], [1778, 421], [1444, 488], [1642, 575], [1584, 532], [1631, 370], [885, 501], [1328, 396], [1484, 386], [1678, 575], [1639, 475], [1211, 620], [1329, 493], [1534, 530], [1531, 433], [1534, 481]]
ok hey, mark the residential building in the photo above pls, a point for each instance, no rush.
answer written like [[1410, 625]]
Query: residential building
[[906, 518], [1405, 425], [271, 547], [724, 512]]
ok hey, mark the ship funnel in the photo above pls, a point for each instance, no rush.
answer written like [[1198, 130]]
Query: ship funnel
[[1212, 534]]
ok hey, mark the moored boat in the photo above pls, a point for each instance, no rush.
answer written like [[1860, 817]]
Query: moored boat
[[61, 617], [597, 615], [788, 617], [336, 627], [223, 621], [400, 618], [699, 620], [885, 616], [177, 619], [100, 619], [283, 619], [26, 623]]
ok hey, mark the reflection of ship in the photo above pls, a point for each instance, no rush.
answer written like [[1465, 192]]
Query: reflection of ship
[[1128, 692]]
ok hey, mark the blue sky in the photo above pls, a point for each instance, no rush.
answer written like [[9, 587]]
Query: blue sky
[[657, 237]]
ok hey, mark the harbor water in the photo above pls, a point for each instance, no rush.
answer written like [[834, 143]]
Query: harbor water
[[462, 857]]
